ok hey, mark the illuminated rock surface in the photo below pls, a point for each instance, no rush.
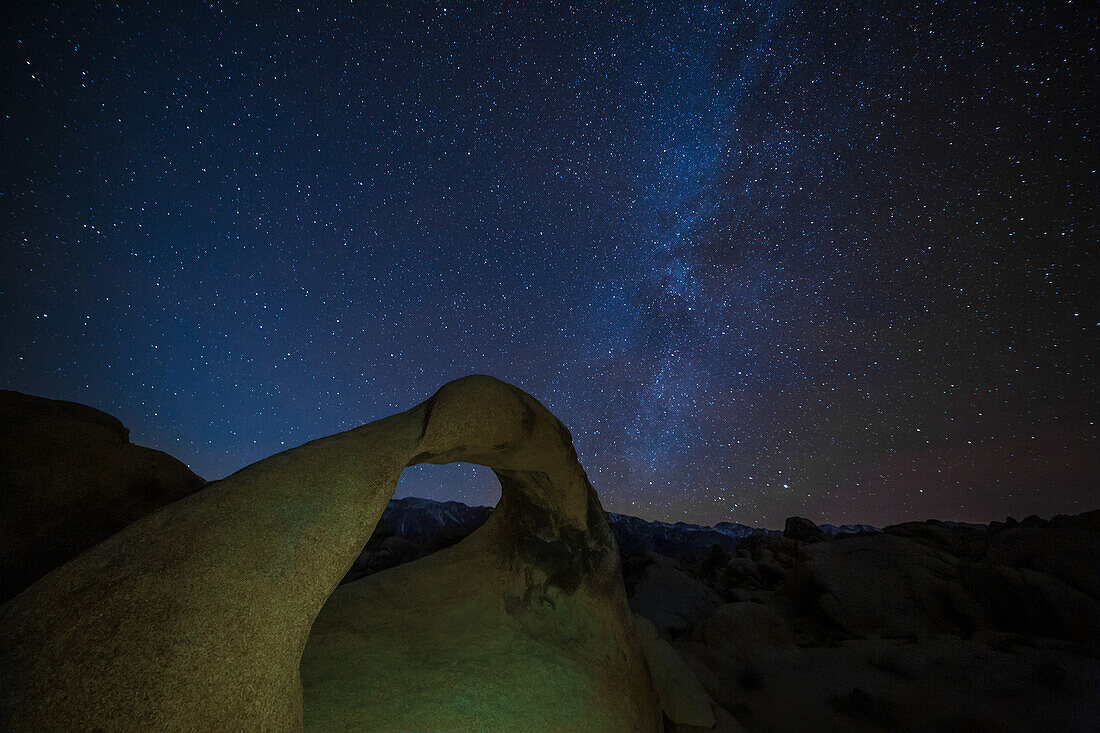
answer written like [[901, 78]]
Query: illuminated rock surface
[[196, 617], [521, 626]]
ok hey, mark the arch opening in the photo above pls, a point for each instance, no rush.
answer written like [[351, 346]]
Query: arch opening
[[434, 506], [469, 483]]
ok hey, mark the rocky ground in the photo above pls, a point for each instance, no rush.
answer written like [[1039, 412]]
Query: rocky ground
[[921, 626]]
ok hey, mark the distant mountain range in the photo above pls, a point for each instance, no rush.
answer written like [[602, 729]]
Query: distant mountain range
[[413, 514], [413, 527], [425, 521]]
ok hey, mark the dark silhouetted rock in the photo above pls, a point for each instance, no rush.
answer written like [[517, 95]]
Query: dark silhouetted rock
[[959, 541], [862, 707], [744, 629], [70, 478], [802, 530], [877, 584], [671, 599], [683, 699], [1086, 521]]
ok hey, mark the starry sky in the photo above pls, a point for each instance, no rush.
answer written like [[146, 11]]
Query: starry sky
[[762, 259]]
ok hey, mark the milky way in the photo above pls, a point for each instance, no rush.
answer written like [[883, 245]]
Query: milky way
[[762, 259]]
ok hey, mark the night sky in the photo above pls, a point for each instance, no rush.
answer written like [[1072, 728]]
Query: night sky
[[762, 259]]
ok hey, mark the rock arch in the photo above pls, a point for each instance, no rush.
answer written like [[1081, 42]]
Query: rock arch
[[198, 615]]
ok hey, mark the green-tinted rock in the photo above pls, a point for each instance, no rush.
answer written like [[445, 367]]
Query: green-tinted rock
[[196, 617]]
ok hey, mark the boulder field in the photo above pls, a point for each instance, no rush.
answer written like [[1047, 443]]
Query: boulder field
[[914, 627]]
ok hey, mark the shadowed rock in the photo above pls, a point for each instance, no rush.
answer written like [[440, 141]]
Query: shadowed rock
[[803, 530], [411, 528], [671, 599], [683, 699], [744, 629], [70, 478], [196, 617]]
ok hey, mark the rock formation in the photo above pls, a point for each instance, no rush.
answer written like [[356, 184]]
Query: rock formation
[[802, 529], [197, 616], [521, 626], [70, 478], [873, 630], [411, 528]]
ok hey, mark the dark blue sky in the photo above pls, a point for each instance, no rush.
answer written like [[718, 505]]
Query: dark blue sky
[[761, 258]]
